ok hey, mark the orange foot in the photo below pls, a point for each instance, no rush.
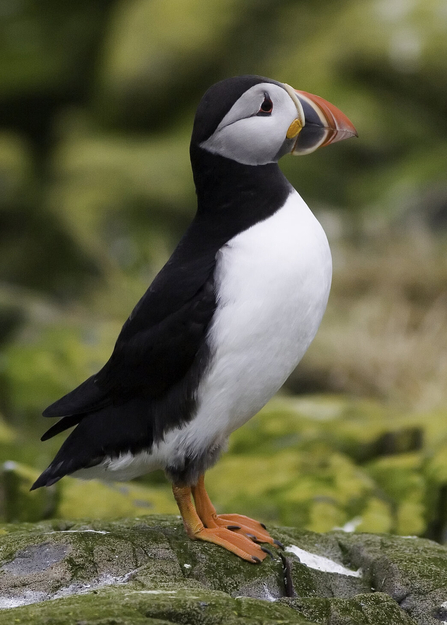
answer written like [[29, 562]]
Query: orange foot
[[244, 525], [237, 533]]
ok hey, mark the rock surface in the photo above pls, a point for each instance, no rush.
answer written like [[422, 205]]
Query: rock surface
[[145, 570]]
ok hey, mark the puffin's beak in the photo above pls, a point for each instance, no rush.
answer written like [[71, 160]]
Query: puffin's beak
[[318, 123]]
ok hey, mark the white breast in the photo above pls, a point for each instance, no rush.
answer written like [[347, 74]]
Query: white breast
[[273, 282]]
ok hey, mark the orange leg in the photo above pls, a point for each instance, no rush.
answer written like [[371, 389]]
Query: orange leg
[[237, 543], [236, 522]]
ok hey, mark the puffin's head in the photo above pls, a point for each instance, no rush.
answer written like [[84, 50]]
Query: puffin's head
[[255, 120]]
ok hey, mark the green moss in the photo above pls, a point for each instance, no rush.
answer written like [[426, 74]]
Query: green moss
[[401, 479], [126, 607], [79, 499], [318, 489], [282, 467], [364, 609], [359, 428], [127, 570], [7, 434], [376, 517], [45, 361], [17, 503]]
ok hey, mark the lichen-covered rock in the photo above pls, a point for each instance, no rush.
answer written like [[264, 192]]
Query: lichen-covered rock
[[315, 488], [147, 570], [363, 609]]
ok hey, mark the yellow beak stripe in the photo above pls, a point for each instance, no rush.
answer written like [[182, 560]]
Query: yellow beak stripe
[[294, 129]]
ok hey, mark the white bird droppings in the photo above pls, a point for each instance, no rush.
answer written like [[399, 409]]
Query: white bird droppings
[[320, 563]]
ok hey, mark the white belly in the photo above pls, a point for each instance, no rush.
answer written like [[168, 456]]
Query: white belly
[[272, 284]]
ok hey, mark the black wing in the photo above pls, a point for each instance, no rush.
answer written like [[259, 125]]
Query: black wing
[[149, 383], [145, 360], [157, 345]]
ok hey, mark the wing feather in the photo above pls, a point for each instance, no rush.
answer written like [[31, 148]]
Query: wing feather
[[156, 346]]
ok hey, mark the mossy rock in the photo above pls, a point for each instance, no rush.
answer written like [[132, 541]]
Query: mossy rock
[[363, 609], [79, 499], [322, 462], [303, 461], [402, 481], [147, 570], [17, 503], [297, 463], [75, 499], [316, 489], [361, 428]]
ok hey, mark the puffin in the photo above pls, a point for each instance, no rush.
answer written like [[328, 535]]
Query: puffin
[[224, 322]]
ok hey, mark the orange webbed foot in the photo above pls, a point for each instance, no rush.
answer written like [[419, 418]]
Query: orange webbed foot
[[238, 544], [249, 527], [235, 532]]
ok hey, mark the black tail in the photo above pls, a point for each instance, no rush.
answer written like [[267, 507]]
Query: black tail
[[63, 424], [108, 432], [47, 478]]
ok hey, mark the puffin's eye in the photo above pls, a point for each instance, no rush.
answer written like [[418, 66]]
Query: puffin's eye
[[266, 106]]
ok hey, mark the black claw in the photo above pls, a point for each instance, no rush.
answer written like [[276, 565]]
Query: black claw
[[233, 527], [267, 551], [262, 525], [278, 544], [252, 537], [256, 559]]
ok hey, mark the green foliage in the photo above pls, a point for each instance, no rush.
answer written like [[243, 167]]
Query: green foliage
[[99, 100]]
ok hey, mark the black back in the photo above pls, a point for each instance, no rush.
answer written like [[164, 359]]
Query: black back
[[148, 385]]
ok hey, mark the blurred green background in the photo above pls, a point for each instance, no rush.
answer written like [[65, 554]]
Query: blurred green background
[[97, 100]]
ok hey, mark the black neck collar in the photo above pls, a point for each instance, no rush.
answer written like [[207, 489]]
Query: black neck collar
[[231, 197]]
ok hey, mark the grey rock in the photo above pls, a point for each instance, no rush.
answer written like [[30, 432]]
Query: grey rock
[[35, 559], [146, 570]]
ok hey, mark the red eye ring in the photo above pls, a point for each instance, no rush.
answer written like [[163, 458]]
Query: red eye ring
[[266, 107]]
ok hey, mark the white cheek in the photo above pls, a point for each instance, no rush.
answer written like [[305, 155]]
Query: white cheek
[[251, 141], [260, 138]]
